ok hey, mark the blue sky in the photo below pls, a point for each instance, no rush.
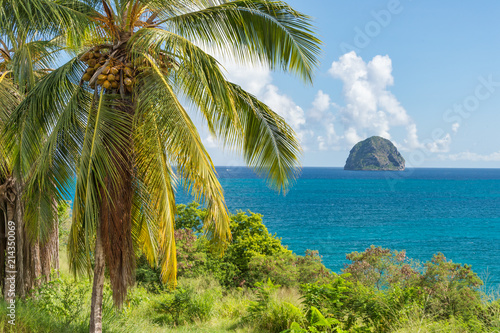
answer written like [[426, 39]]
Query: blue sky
[[425, 74]]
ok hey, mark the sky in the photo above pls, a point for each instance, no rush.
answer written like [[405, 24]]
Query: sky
[[424, 74]]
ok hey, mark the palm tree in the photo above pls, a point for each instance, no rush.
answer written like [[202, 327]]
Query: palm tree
[[27, 50], [115, 117]]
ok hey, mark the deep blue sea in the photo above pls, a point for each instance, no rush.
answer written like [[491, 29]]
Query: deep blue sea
[[423, 211]]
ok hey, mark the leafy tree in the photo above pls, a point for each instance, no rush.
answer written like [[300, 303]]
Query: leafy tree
[[113, 117], [381, 268], [190, 217], [452, 287], [251, 238]]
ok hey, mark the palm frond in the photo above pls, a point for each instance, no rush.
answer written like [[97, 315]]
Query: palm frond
[[268, 32], [154, 169], [48, 17], [197, 74], [269, 144], [108, 131], [184, 148]]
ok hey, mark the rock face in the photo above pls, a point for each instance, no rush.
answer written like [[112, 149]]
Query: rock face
[[375, 153]]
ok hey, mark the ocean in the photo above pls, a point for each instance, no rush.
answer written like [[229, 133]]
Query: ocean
[[423, 211]]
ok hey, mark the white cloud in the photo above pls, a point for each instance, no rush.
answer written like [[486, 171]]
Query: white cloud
[[370, 107], [257, 80], [284, 106], [210, 142], [351, 136], [440, 145], [322, 101], [253, 79], [412, 137], [468, 156]]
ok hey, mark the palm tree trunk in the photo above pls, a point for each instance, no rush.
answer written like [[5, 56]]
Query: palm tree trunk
[[114, 246], [98, 286], [11, 265], [30, 256]]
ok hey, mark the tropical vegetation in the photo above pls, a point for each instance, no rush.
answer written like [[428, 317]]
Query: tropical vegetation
[[113, 122], [115, 116], [270, 289]]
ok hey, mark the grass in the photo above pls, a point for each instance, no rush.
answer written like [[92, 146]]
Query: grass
[[202, 305]]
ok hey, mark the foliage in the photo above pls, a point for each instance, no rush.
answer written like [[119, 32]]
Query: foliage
[[329, 297], [64, 219], [316, 323], [269, 313], [250, 239], [254, 255], [189, 217], [452, 288], [187, 304], [375, 296], [288, 269], [381, 268], [61, 299], [387, 283], [201, 304]]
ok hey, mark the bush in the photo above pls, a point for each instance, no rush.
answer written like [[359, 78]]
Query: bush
[[62, 299], [188, 303], [452, 288], [269, 313], [386, 284], [327, 298], [381, 268]]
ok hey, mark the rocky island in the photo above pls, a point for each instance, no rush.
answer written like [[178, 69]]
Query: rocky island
[[375, 153]]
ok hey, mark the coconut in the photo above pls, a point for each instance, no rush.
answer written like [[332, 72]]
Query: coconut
[[85, 57], [105, 70], [128, 71], [92, 62], [114, 84], [102, 77], [129, 88], [111, 77], [86, 77], [106, 84], [90, 70], [128, 82], [100, 82], [114, 71], [90, 55], [97, 66]]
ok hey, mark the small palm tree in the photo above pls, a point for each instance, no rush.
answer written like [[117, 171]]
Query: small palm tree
[[115, 116], [28, 47]]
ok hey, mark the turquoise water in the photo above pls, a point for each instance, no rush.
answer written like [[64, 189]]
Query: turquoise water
[[424, 211]]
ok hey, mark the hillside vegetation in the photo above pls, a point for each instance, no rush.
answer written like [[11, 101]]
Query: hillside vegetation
[[258, 285]]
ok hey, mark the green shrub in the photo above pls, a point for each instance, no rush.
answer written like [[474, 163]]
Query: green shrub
[[288, 269], [328, 298], [452, 288], [270, 314], [381, 268], [61, 299], [316, 323], [192, 301]]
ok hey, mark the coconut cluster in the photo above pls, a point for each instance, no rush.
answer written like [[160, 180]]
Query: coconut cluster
[[106, 71]]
